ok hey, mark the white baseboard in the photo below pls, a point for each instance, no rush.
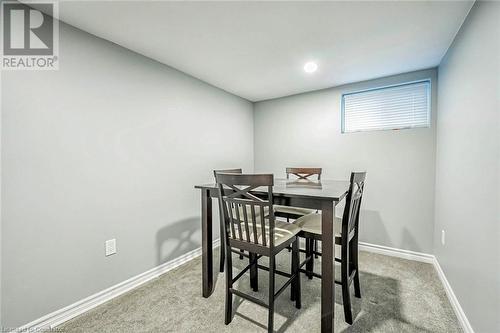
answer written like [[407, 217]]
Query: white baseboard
[[427, 258], [462, 318], [71, 311], [399, 253]]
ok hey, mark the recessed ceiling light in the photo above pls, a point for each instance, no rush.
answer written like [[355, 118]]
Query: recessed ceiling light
[[310, 67]]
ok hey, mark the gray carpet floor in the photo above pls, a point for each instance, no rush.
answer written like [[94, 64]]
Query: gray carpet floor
[[397, 296]]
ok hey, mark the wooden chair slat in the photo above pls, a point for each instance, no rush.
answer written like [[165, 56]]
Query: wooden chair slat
[[229, 208], [245, 220], [263, 225], [237, 211], [254, 224]]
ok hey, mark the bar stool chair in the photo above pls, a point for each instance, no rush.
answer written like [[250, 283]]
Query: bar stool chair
[[295, 212], [259, 234], [300, 174], [346, 235]]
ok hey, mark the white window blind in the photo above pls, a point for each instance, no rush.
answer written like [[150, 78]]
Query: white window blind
[[395, 107]]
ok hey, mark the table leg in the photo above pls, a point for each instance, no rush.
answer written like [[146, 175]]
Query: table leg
[[206, 243], [327, 267]]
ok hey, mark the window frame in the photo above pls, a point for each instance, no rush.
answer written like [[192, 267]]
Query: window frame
[[408, 83]]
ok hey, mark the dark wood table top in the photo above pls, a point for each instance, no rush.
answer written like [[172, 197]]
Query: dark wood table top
[[334, 190]]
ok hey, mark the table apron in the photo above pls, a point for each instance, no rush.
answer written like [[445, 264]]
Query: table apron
[[288, 200]]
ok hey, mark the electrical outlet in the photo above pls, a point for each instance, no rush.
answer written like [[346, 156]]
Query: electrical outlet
[[110, 247], [443, 237]]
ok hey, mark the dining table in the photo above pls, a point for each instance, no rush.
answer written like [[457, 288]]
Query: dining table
[[323, 195]]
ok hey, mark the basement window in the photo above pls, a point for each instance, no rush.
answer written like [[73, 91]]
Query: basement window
[[394, 107]]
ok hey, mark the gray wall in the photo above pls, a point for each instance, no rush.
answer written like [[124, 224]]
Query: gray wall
[[1, 258], [468, 171], [109, 146], [304, 130]]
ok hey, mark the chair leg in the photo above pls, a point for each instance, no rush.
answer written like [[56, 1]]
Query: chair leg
[[344, 272], [241, 254], [354, 258], [296, 264], [309, 254], [254, 277], [270, 319], [288, 221], [293, 287], [229, 285], [222, 244], [222, 253], [316, 249]]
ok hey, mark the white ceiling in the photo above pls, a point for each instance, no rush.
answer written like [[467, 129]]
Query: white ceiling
[[257, 49]]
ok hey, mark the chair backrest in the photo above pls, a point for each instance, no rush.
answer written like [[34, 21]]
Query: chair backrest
[[246, 217], [303, 173], [228, 171], [350, 219]]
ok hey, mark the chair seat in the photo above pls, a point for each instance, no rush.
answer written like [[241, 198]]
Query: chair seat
[[312, 224], [283, 232], [293, 210]]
